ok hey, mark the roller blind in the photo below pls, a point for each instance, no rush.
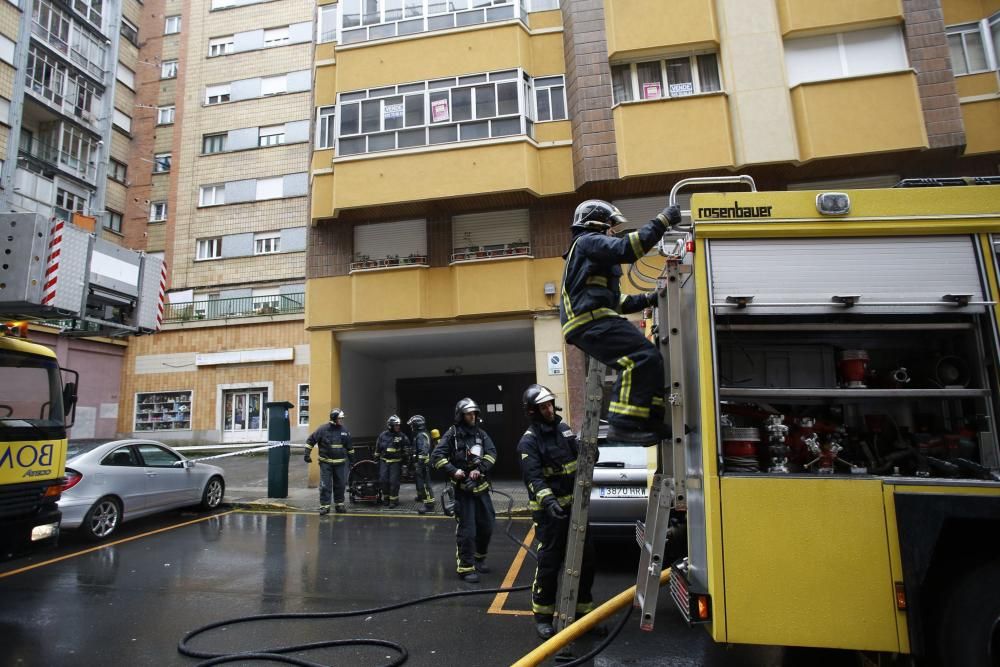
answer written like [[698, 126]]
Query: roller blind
[[385, 239], [493, 228]]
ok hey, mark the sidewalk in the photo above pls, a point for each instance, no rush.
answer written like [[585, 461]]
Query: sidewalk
[[246, 486]]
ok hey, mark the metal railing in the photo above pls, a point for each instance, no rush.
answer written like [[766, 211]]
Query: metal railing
[[224, 309], [45, 152], [365, 262], [490, 251]]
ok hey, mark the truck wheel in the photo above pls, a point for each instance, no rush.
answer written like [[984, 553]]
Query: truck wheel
[[969, 633], [102, 520], [211, 497]]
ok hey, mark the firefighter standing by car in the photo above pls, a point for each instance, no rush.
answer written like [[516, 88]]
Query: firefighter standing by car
[[548, 453], [589, 311], [389, 451], [466, 454], [422, 463], [336, 454]]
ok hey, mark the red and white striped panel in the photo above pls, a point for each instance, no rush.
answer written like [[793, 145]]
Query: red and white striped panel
[[160, 297], [52, 263]]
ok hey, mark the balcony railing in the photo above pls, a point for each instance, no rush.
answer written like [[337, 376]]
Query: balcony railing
[[224, 309], [490, 251], [49, 154], [362, 262], [73, 52], [428, 16]]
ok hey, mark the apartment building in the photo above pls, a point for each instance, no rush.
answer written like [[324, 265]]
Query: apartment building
[[454, 140], [222, 190]]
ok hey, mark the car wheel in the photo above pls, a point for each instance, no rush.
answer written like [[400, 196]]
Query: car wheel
[[211, 497], [103, 519]]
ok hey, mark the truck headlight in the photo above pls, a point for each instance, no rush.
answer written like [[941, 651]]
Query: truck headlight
[[44, 532]]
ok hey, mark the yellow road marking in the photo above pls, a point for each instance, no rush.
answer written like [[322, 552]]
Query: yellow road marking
[[110, 544], [508, 581]]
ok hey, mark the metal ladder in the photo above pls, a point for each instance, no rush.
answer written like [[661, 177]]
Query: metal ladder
[[569, 581]]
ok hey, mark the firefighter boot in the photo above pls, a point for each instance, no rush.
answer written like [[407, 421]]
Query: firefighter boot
[[482, 567], [324, 509], [543, 626], [469, 577], [340, 508]]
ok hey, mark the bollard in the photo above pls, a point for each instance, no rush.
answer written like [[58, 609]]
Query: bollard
[[278, 430]]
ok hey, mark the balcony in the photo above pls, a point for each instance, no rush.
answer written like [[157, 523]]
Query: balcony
[[364, 262], [81, 49], [869, 114], [673, 135], [226, 309], [47, 154], [803, 16], [635, 26], [424, 16], [496, 251]]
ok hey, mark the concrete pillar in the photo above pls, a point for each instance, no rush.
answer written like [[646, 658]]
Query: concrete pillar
[[548, 340], [324, 386]]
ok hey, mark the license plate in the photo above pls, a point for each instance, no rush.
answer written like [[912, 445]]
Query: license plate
[[623, 492]]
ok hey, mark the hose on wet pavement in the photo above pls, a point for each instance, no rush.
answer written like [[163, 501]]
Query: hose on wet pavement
[[279, 654]]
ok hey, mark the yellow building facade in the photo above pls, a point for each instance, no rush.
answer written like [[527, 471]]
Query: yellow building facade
[[454, 141]]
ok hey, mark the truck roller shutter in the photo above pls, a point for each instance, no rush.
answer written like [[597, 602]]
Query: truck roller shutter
[[801, 276], [489, 229], [386, 239]]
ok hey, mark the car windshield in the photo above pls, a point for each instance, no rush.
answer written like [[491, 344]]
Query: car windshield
[[30, 395]]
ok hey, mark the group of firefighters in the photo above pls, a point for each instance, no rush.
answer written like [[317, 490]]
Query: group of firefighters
[[591, 305]]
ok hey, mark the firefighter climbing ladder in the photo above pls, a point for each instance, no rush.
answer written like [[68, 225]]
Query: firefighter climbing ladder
[[569, 582]]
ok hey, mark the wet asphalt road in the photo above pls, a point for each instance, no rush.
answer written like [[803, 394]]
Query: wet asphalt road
[[129, 602]]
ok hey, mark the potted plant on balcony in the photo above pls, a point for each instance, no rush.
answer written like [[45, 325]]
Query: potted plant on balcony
[[480, 251]]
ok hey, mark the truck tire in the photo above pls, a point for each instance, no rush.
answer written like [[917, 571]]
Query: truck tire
[[969, 633], [102, 520]]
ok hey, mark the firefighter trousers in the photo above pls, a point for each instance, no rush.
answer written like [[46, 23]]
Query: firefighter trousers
[[332, 476], [475, 516], [637, 395], [422, 478], [388, 475], [551, 536]]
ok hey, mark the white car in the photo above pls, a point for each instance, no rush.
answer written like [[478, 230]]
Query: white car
[[111, 482], [619, 495]]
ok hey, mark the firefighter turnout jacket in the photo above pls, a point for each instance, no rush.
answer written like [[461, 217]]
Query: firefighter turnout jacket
[[591, 287], [334, 443], [457, 450], [422, 446], [548, 462], [390, 446]]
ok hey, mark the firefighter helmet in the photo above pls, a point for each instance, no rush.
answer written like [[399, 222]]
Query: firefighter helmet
[[416, 422], [393, 420], [464, 406], [534, 396], [596, 215], [336, 414]]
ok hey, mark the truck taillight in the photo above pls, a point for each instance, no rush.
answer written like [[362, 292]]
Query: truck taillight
[[14, 329], [72, 479]]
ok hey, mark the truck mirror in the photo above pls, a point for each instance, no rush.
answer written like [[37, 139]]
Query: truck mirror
[[69, 398]]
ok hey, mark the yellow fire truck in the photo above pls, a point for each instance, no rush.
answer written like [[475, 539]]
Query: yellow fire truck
[[51, 270], [834, 386]]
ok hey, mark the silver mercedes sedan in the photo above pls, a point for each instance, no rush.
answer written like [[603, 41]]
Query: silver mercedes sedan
[[111, 482]]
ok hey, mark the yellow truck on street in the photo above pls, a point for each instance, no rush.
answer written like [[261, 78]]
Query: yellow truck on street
[[834, 388]]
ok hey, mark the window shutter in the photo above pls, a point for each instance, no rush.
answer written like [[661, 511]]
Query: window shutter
[[384, 239], [493, 228]]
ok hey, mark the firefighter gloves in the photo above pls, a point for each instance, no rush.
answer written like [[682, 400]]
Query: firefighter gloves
[[553, 509]]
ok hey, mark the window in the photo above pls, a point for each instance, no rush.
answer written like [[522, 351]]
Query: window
[[846, 54], [269, 188], [122, 121], [666, 78], [213, 143], [162, 412], [209, 248], [168, 69], [161, 163], [90, 9], [126, 76], [154, 456], [220, 46], [130, 32], [157, 211], [266, 243], [974, 46], [327, 31], [172, 25], [165, 115], [113, 221], [550, 98], [325, 127], [379, 19], [273, 85], [271, 135], [212, 195], [388, 243], [217, 94], [494, 234], [117, 171], [70, 200], [466, 108], [276, 36], [303, 405]]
